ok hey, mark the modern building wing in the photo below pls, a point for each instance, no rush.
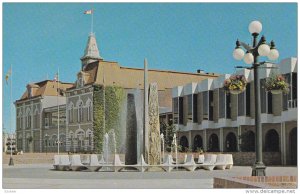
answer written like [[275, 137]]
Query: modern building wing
[[208, 117]]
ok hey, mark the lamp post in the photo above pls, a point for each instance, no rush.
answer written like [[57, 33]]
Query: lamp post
[[251, 57]]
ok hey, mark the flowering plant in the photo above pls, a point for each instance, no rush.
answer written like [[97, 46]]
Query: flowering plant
[[276, 82], [235, 83]]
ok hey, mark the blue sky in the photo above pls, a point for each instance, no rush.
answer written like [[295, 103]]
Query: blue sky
[[39, 38]]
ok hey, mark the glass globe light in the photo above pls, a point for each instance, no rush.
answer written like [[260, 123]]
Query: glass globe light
[[238, 54], [273, 54], [249, 59], [263, 50], [255, 27]]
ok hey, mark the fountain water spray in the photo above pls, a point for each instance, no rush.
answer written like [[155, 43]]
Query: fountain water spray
[[175, 145], [163, 147], [105, 147]]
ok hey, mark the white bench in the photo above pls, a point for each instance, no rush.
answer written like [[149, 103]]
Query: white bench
[[221, 162], [76, 164], [189, 164], [64, 162], [229, 161], [94, 164], [209, 162]]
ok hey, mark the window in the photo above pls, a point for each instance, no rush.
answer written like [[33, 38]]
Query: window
[[228, 106], [89, 111], [294, 85], [71, 113], [79, 113], [205, 105], [46, 121], [180, 110], [190, 104], [211, 106], [241, 104], [221, 103], [248, 99], [36, 119], [195, 110], [28, 121], [90, 138], [80, 82], [175, 109]]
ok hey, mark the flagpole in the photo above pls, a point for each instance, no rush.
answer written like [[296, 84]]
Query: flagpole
[[58, 139], [11, 163], [92, 21]]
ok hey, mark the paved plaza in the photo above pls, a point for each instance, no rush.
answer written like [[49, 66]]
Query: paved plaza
[[42, 176]]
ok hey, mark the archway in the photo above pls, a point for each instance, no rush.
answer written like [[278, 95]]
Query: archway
[[272, 141], [293, 146], [248, 141], [213, 143], [198, 143], [184, 143], [231, 142]]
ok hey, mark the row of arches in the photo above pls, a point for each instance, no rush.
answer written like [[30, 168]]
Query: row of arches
[[271, 142], [79, 110]]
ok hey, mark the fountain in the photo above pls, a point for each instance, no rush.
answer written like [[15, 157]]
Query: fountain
[[105, 147], [174, 145]]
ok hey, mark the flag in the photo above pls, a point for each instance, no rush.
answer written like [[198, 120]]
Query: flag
[[88, 12], [7, 76]]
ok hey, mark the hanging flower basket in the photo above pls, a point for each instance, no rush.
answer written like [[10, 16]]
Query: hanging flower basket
[[276, 84], [235, 84]]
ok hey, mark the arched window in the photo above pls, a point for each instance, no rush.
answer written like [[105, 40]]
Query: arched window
[[213, 143], [80, 112], [36, 118], [20, 119], [28, 118], [70, 114], [89, 111], [80, 136], [248, 141], [272, 141], [54, 140], [231, 142], [198, 143], [184, 143]]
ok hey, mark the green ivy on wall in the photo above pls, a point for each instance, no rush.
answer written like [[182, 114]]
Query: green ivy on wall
[[114, 99]]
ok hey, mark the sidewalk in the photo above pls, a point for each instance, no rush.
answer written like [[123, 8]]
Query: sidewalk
[[41, 176]]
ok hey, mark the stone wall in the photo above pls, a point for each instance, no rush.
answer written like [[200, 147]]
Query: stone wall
[[248, 158]]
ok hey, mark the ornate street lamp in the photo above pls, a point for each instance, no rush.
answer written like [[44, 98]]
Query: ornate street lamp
[[262, 48]]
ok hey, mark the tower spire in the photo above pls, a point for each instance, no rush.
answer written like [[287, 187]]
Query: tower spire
[[91, 52]]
